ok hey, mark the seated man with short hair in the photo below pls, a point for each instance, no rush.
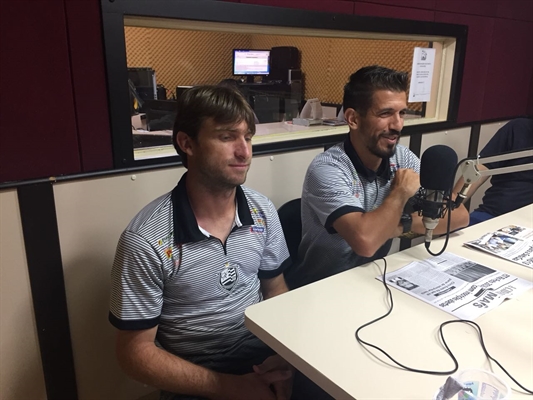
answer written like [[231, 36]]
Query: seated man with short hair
[[354, 193], [191, 261]]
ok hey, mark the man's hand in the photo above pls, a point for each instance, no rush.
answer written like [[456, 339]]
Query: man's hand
[[275, 363], [254, 386], [406, 182]]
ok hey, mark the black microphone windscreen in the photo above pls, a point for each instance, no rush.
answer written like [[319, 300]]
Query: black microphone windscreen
[[437, 168]]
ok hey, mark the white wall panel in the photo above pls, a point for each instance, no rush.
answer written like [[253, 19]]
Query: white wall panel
[[405, 141], [280, 177], [21, 373], [486, 133], [91, 215]]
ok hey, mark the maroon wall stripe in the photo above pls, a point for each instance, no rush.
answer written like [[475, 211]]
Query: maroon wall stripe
[[334, 6], [380, 10], [38, 127], [509, 69], [480, 30], [89, 82]]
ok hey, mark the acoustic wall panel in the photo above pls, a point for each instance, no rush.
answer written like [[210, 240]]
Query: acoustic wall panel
[[393, 11], [89, 82], [422, 4], [510, 67], [327, 63], [38, 126], [182, 57], [473, 7], [515, 9], [478, 48], [334, 6], [21, 372]]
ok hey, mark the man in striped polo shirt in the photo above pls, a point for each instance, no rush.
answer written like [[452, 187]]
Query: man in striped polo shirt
[[355, 192], [190, 262]]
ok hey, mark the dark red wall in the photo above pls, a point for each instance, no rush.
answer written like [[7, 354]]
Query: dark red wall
[[54, 117]]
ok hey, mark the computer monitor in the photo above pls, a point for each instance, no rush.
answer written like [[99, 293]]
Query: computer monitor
[[250, 63]]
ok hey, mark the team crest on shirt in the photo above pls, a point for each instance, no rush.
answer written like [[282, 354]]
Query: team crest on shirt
[[228, 276]]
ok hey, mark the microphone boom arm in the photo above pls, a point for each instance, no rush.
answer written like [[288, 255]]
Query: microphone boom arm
[[471, 173]]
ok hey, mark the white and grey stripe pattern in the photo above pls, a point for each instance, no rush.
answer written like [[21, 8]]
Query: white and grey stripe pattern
[[337, 183], [196, 291]]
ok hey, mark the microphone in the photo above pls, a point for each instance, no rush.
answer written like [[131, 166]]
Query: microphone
[[437, 174]]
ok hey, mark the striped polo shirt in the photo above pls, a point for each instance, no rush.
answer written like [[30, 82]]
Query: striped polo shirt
[[169, 272], [337, 183]]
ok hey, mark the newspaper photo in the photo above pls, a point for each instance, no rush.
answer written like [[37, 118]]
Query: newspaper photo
[[456, 285], [514, 243]]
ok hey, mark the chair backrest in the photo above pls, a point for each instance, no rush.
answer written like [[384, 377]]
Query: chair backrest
[[291, 223]]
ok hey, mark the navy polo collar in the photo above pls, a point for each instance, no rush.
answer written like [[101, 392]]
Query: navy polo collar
[[370, 175], [185, 225]]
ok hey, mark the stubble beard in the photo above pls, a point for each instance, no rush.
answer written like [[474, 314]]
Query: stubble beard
[[374, 148], [216, 180]]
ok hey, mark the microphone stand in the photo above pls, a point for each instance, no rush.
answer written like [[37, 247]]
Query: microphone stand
[[471, 173]]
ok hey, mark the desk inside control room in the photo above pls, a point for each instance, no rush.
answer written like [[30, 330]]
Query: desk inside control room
[[273, 132]]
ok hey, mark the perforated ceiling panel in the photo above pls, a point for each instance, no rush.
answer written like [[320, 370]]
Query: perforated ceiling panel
[[182, 57]]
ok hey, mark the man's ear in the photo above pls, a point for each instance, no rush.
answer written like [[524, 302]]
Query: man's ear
[[352, 118], [184, 141]]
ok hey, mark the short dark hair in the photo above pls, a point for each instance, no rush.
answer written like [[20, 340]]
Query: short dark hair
[[363, 83], [195, 105]]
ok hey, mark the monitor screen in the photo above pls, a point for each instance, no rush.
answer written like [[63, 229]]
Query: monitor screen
[[251, 62]]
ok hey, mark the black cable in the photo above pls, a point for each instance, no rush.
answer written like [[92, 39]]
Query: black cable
[[441, 334], [482, 342], [389, 293]]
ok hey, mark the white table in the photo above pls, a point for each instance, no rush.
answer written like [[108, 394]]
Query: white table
[[313, 327]]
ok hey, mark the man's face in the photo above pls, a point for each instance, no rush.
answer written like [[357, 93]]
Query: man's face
[[222, 153], [380, 128]]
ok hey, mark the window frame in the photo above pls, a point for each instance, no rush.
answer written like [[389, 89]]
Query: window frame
[[114, 12]]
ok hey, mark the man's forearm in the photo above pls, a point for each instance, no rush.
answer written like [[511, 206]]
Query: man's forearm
[[156, 367], [384, 221], [273, 287], [366, 232]]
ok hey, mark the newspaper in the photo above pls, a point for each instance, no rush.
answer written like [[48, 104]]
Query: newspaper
[[456, 285], [513, 242]]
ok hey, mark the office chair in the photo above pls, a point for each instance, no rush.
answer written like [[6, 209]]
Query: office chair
[[291, 223]]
